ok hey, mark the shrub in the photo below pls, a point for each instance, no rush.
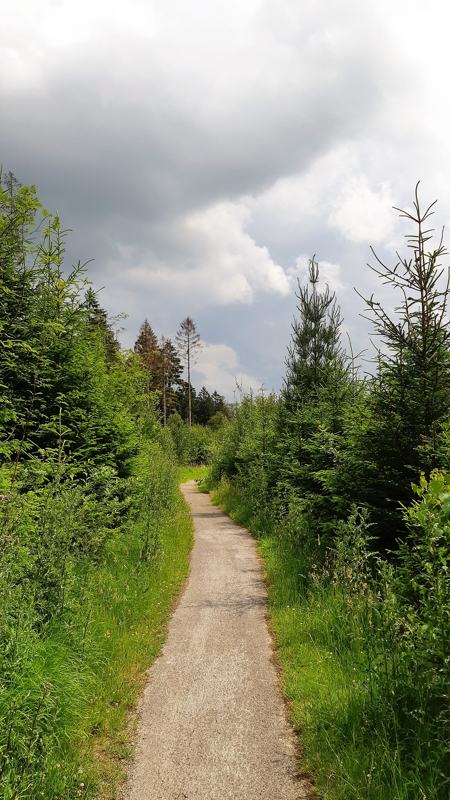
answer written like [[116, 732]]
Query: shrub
[[192, 443]]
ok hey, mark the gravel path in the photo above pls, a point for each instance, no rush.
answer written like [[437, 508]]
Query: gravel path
[[212, 721]]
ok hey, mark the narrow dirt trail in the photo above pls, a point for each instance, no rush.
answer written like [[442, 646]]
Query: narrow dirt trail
[[212, 721]]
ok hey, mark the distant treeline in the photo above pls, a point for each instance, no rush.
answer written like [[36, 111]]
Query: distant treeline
[[163, 364]]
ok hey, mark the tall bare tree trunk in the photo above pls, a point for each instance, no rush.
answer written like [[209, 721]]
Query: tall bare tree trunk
[[165, 395], [189, 380], [188, 344]]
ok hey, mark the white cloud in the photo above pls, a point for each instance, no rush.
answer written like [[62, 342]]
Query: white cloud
[[236, 264], [217, 261], [363, 213], [218, 368]]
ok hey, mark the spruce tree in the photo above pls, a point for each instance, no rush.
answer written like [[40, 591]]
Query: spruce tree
[[218, 402], [147, 348], [98, 321], [204, 406], [20, 327], [171, 370], [315, 342], [410, 394], [311, 414], [182, 399]]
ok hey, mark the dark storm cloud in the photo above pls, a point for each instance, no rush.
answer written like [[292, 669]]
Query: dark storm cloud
[[163, 134]]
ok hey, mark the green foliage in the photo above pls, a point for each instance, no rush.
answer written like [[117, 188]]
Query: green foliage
[[91, 551], [162, 368], [69, 594], [326, 475], [315, 343], [208, 409], [409, 397], [152, 498], [94, 538], [192, 442], [318, 393], [364, 649], [193, 473], [57, 352], [161, 362]]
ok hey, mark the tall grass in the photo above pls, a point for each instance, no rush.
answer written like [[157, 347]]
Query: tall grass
[[88, 574], [364, 650], [191, 472]]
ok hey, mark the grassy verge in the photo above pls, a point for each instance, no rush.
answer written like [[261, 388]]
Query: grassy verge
[[66, 693], [132, 610], [192, 473], [336, 684]]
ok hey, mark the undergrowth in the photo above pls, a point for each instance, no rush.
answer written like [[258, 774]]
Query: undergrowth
[[84, 601], [364, 662], [131, 617]]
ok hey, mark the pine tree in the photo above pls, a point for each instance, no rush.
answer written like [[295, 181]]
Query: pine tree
[[19, 207], [53, 370], [310, 423], [147, 348], [171, 370], [315, 343], [410, 394], [98, 320], [218, 402], [182, 399], [188, 344], [204, 406]]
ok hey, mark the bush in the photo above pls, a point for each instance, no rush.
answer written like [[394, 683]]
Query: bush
[[56, 543], [192, 443]]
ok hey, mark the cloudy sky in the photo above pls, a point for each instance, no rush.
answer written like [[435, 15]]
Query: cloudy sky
[[201, 151]]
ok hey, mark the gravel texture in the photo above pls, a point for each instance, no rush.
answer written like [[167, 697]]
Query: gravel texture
[[212, 722]]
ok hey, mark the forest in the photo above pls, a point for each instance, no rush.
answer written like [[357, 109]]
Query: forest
[[342, 477]]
